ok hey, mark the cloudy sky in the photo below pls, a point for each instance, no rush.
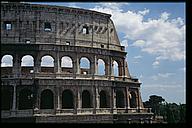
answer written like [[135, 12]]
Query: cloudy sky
[[154, 37]]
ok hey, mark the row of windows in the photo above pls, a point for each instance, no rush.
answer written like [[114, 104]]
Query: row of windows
[[66, 62], [47, 27], [26, 99]]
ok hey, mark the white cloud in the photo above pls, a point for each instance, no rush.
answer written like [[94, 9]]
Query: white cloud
[[161, 75], [163, 37], [137, 57], [156, 64], [138, 43], [144, 12], [124, 43], [164, 16], [165, 75]]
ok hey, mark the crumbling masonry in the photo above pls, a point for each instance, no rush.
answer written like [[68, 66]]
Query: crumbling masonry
[[64, 90]]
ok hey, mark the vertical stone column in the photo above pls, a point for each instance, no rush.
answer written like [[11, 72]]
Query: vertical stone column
[[94, 99], [123, 68], [114, 100], [58, 99], [37, 64], [58, 63], [16, 66], [14, 98], [139, 99], [112, 67], [97, 98], [93, 64], [96, 66], [79, 98], [128, 101], [77, 65]]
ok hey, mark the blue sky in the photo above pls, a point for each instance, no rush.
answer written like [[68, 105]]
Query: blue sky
[[154, 37]]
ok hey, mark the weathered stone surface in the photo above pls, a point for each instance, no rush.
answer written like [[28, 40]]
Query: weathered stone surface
[[66, 94]]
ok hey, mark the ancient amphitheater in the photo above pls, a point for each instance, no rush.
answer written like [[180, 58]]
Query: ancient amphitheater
[[42, 75]]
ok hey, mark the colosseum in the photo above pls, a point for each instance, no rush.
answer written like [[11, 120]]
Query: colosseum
[[51, 59]]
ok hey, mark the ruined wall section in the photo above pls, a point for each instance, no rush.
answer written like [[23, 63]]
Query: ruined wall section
[[66, 26]]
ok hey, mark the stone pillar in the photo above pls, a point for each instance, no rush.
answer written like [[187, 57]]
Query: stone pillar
[[114, 100], [93, 63], [97, 98], [96, 66], [139, 99], [109, 68], [16, 66], [58, 63], [123, 68], [112, 67], [94, 99], [79, 99], [77, 65], [14, 98], [58, 99], [128, 101], [37, 65]]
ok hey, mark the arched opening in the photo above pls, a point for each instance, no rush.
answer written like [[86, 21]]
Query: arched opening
[[47, 99], [7, 61], [101, 67], [84, 65], [47, 64], [104, 99], [6, 65], [66, 64], [120, 103], [86, 99], [25, 99], [132, 99], [67, 99], [6, 97], [27, 63], [115, 68]]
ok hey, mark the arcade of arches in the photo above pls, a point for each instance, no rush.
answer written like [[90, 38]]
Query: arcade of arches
[[64, 64], [25, 99]]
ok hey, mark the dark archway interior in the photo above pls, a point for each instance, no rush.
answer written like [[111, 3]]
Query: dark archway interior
[[6, 97], [133, 103], [86, 99], [25, 99], [103, 99], [120, 99], [47, 100], [67, 99]]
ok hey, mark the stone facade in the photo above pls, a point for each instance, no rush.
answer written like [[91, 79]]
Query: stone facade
[[60, 92]]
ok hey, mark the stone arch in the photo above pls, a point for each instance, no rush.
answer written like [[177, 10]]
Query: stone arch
[[27, 60], [104, 99], [133, 99], [7, 61], [86, 99], [25, 99], [85, 65], [47, 99], [120, 102], [115, 67], [101, 67], [47, 63], [66, 64], [6, 97], [27, 64], [67, 99]]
